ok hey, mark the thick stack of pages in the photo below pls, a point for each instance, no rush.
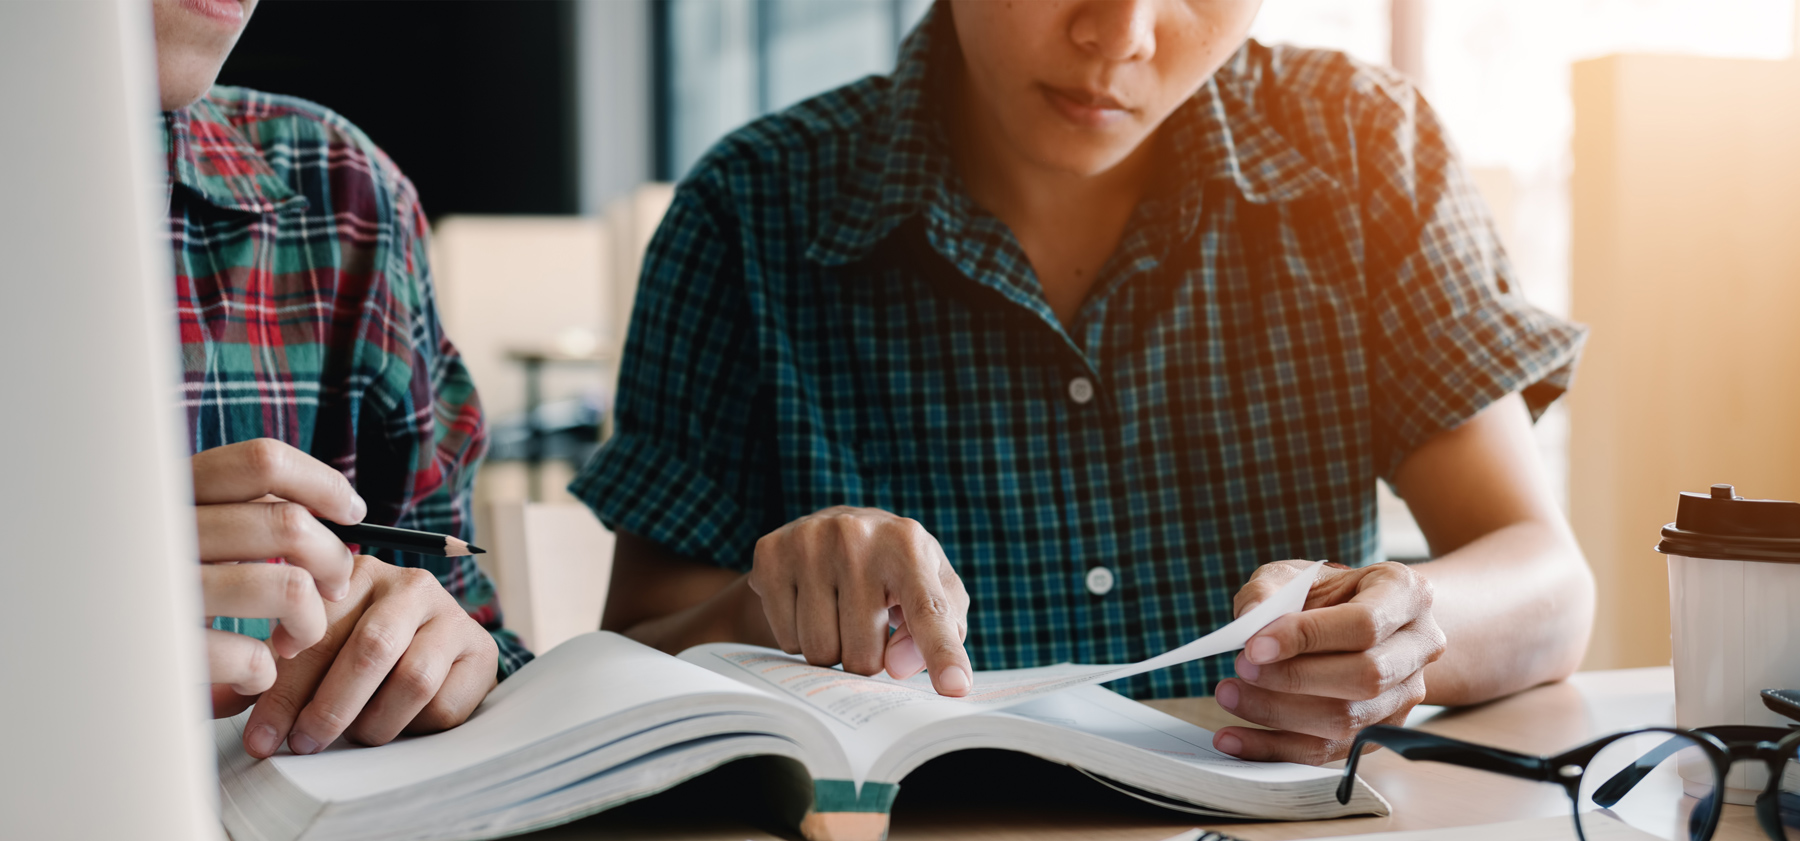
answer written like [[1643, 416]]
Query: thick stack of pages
[[602, 720]]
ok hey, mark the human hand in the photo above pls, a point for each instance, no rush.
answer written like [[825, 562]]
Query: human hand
[[398, 655], [1354, 656], [252, 502], [833, 583]]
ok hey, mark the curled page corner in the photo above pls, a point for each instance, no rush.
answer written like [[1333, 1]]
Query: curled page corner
[[1015, 686]]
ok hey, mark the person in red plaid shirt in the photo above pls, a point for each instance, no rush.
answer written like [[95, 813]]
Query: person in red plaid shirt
[[316, 378]]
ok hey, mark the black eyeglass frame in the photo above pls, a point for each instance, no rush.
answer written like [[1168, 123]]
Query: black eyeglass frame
[[1723, 745], [1774, 747]]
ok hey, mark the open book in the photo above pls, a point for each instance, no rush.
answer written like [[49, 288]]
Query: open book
[[602, 720]]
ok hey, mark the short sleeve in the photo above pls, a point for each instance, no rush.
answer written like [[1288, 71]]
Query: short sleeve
[[689, 460], [1451, 334]]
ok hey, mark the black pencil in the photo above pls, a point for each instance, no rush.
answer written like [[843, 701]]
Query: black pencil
[[403, 540]]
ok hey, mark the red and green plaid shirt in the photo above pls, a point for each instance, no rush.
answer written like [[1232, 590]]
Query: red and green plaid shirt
[[306, 315]]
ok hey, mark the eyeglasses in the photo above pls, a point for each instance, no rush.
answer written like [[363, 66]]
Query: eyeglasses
[[1670, 783]]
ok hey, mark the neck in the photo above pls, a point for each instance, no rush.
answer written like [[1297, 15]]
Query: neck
[[1068, 224]]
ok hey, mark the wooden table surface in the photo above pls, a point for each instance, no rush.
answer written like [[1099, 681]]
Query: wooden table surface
[[1050, 803]]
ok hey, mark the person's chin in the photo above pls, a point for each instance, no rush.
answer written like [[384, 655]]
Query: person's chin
[[1083, 156], [183, 77], [1053, 143]]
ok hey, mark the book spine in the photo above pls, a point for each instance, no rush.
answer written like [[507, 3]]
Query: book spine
[[842, 812]]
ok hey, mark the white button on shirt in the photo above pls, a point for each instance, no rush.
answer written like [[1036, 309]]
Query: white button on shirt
[[1081, 390], [1099, 581]]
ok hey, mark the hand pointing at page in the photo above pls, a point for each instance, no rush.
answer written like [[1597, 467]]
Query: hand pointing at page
[[834, 582]]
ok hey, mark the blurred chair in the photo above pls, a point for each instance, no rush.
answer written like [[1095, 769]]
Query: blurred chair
[[551, 562]]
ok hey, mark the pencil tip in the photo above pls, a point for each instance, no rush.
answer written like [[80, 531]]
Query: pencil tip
[[476, 550]]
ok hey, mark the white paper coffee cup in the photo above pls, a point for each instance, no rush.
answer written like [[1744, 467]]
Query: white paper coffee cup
[[1734, 611]]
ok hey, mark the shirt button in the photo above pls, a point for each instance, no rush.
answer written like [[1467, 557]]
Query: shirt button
[[1081, 390], [1099, 581]]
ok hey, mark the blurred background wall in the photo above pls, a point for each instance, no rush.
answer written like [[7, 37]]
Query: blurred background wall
[[1686, 263], [1636, 155]]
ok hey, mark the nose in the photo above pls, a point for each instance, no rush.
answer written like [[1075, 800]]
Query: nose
[[1116, 30]]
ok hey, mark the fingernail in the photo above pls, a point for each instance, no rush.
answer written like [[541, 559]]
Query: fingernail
[[1246, 669], [358, 509], [302, 744], [1227, 694], [954, 680], [1262, 650], [261, 740], [1227, 743]]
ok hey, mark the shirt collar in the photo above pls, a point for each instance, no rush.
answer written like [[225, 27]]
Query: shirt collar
[[1220, 134], [901, 167], [1225, 132], [214, 160]]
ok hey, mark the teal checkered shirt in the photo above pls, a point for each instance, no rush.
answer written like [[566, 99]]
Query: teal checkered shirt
[[826, 318]]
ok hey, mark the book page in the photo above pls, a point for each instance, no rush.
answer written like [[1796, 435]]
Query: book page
[[1119, 719], [870, 713], [590, 677]]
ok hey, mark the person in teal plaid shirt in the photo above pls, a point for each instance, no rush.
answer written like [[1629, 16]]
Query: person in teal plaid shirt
[[316, 376], [1060, 342]]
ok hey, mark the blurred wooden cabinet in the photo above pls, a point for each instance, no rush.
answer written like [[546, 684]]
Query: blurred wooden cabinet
[[1686, 248], [551, 563], [564, 285]]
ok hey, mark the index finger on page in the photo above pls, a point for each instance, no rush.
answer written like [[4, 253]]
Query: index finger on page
[[249, 470], [383, 635], [1379, 608], [272, 719], [275, 711], [934, 630]]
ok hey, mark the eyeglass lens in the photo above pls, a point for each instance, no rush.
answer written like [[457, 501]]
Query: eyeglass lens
[[1660, 783], [1787, 796]]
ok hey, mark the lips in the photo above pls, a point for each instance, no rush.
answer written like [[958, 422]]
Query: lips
[[223, 11], [1084, 107]]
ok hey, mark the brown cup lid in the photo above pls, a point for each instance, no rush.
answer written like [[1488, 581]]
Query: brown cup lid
[[1723, 525]]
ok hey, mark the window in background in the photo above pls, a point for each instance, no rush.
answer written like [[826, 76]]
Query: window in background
[[1358, 27], [1497, 73], [723, 63]]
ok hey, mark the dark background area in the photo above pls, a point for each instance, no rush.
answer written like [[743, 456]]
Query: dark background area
[[474, 100]]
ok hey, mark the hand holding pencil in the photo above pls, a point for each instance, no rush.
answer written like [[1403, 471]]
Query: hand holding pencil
[[234, 525], [346, 623], [256, 500]]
